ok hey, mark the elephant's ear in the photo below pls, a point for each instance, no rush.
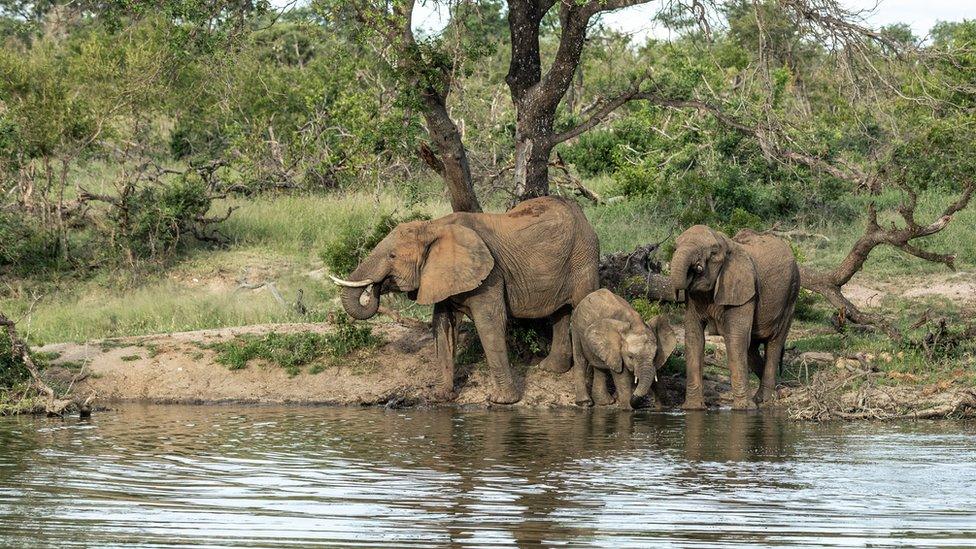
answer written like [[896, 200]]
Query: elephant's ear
[[604, 338], [736, 283], [456, 261], [666, 341]]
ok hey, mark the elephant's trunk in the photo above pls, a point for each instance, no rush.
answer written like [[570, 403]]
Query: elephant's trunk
[[646, 377], [680, 267], [360, 294], [361, 303]]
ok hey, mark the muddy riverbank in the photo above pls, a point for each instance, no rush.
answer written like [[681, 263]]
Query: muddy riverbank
[[182, 368]]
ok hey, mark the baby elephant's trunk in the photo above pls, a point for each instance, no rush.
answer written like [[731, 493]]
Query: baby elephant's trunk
[[646, 377]]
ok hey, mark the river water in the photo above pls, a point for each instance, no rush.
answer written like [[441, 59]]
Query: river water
[[245, 477]]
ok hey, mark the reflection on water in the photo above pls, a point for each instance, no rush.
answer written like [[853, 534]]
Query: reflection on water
[[223, 476]]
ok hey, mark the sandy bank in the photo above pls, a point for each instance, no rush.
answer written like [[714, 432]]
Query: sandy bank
[[180, 368]]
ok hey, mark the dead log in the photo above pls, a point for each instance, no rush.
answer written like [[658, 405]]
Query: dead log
[[636, 274], [830, 283]]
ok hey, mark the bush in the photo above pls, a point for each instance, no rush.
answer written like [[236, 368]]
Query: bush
[[24, 244], [152, 221], [293, 351], [355, 239], [12, 369], [645, 308]]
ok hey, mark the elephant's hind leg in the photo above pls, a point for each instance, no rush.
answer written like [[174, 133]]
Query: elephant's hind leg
[[774, 357], [560, 358]]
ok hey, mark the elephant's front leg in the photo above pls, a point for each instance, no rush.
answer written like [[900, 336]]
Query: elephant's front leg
[[738, 336], [487, 309], [694, 355], [582, 372], [445, 342], [624, 382], [560, 355], [601, 394]]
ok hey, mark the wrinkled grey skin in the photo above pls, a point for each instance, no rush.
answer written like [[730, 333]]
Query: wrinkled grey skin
[[537, 260], [747, 288], [610, 337]]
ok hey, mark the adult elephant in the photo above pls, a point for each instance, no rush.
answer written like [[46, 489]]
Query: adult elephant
[[747, 287], [539, 259]]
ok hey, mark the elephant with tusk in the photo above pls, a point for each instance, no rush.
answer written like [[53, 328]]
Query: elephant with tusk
[[537, 260], [746, 287], [610, 336]]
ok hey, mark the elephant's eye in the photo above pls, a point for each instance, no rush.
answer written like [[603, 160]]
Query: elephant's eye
[[392, 255]]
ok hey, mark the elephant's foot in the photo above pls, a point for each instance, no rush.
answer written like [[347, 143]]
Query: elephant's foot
[[765, 394], [743, 403], [693, 403], [584, 400], [504, 395], [604, 399], [556, 364]]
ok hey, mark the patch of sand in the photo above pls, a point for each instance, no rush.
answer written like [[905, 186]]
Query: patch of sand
[[177, 368]]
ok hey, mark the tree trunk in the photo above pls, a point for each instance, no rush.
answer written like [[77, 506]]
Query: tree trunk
[[531, 167], [452, 161]]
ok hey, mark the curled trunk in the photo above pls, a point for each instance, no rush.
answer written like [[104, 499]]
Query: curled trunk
[[361, 303]]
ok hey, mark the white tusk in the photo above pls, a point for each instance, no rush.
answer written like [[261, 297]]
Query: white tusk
[[635, 378], [655, 378], [348, 284], [366, 296]]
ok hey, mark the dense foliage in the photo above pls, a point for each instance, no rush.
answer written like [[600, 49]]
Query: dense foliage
[[120, 126]]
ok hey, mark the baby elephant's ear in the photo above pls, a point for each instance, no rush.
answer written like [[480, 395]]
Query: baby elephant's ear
[[604, 338], [666, 340]]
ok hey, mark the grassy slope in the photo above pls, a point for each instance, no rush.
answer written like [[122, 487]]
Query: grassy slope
[[279, 239]]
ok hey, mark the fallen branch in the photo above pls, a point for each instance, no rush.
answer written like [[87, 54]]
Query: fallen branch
[[400, 319], [573, 182], [829, 284]]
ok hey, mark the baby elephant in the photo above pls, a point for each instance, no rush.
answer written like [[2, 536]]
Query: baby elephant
[[610, 335]]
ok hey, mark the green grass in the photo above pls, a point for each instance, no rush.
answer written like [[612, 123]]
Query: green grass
[[302, 225], [279, 239], [295, 350], [959, 237]]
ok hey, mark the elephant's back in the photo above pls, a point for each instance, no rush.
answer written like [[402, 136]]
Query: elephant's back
[[779, 280], [549, 255], [602, 304]]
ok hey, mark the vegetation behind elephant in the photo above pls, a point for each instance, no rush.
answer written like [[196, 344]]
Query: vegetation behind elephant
[[609, 335], [539, 259], [747, 287]]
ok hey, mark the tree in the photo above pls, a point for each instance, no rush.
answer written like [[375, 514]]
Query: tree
[[538, 83]]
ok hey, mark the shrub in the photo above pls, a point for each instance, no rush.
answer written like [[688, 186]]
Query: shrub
[[24, 244], [12, 368], [154, 220], [355, 239], [645, 308], [292, 351]]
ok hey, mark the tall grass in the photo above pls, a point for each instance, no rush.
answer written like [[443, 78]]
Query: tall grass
[[281, 237], [301, 225], [160, 307]]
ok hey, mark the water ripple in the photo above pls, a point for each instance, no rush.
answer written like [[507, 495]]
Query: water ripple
[[298, 477]]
